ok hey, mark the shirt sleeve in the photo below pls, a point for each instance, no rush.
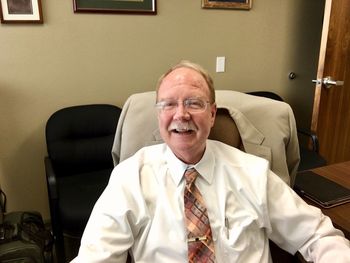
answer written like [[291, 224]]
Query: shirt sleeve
[[297, 226]]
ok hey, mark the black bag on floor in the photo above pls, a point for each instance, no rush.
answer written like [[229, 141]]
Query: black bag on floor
[[23, 236]]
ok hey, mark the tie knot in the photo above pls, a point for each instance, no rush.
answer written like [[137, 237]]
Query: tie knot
[[190, 175]]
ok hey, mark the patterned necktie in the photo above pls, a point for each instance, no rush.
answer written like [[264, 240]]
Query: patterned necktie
[[199, 237]]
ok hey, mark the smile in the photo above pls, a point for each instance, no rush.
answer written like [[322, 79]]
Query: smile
[[182, 128], [182, 131]]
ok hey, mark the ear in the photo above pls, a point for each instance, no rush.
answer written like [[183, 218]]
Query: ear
[[213, 110]]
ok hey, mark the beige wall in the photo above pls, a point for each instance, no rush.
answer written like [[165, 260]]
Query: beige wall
[[94, 58]]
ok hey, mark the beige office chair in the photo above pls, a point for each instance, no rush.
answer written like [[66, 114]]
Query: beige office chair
[[256, 125], [266, 128]]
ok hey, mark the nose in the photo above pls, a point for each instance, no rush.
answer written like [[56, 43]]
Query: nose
[[181, 112]]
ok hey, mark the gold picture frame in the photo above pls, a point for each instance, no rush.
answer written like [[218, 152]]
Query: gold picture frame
[[227, 4], [21, 11]]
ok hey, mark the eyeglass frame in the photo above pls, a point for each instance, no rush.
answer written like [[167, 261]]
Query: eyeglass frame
[[161, 107]]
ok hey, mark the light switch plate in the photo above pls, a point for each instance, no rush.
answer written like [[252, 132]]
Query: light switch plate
[[220, 64]]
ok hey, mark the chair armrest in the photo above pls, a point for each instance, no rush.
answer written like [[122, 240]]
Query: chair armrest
[[51, 179], [313, 137], [53, 201]]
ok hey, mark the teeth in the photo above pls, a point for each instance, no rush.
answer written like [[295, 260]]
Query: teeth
[[182, 127]]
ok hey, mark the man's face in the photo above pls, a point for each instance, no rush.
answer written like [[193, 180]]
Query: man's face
[[183, 130]]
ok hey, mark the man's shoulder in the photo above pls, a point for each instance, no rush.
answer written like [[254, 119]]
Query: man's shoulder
[[152, 155], [218, 147], [146, 154], [225, 153]]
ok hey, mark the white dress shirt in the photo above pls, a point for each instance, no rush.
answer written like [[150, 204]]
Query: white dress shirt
[[142, 210]]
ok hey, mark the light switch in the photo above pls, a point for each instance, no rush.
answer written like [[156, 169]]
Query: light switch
[[220, 64]]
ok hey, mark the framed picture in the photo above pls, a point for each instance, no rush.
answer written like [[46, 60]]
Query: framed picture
[[21, 11], [147, 7], [227, 4]]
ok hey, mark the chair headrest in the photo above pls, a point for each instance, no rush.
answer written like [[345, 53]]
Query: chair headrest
[[82, 121]]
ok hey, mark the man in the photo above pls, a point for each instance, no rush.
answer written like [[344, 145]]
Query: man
[[143, 208]]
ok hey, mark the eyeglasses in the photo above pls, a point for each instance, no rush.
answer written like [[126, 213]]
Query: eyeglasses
[[192, 105]]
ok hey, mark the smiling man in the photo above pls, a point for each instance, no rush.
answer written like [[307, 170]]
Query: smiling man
[[191, 199]]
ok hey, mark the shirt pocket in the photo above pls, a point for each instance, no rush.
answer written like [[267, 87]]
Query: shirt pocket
[[238, 241]]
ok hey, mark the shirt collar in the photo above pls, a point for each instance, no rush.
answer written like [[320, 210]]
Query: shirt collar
[[177, 168]]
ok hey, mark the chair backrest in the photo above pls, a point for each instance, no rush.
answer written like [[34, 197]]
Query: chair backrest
[[257, 125], [266, 94], [80, 138]]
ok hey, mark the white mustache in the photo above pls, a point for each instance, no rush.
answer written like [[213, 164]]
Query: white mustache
[[182, 126]]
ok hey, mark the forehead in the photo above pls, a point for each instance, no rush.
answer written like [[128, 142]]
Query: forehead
[[184, 78]]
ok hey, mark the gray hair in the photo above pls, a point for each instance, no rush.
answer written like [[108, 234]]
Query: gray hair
[[196, 67]]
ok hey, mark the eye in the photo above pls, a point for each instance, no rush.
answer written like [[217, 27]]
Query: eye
[[195, 103], [168, 104]]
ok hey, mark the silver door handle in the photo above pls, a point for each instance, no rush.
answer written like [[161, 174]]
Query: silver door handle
[[328, 82]]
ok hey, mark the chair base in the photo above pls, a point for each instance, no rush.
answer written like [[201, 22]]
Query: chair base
[[71, 247], [67, 250]]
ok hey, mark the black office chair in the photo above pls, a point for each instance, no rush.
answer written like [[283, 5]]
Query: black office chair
[[78, 166], [309, 157]]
